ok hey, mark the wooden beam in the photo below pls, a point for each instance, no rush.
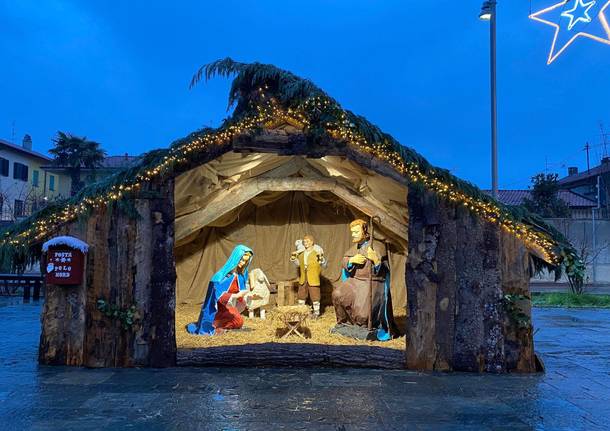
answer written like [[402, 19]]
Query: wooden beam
[[287, 145], [294, 165], [241, 193], [221, 203], [370, 209], [351, 198], [323, 184], [295, 184], [290, 167]]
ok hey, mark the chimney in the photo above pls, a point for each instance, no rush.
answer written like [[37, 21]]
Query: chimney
[[572, 170], [606, 160], [27, 142]]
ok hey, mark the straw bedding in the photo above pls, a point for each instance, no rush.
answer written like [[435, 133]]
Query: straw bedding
[[257, 331]]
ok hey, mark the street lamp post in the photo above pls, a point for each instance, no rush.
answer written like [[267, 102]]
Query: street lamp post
[[488, 13]]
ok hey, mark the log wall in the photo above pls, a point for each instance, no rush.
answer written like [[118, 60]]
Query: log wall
[[130, 261], [458, 271]]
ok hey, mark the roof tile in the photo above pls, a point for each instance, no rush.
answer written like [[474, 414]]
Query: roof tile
[[516, 197]]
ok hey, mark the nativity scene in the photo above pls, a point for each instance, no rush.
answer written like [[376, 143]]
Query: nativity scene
[[297, 233], [295, 215], [361, 302]]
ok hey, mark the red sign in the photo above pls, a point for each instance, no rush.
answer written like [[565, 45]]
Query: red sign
[[64, 265]]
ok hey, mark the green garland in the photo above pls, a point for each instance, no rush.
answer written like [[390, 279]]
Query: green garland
[[127, 316], [514, 312], [575, 270]]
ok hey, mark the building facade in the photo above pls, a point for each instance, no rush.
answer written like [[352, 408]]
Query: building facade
[[594, 184], [588, 226], [28, 180], [109, 166], [580, 207], [25, 185]]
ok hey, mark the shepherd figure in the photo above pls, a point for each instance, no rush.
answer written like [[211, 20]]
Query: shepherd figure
[[309, 257]]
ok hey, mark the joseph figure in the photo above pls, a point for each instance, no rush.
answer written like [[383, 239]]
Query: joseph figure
[[365, 274]]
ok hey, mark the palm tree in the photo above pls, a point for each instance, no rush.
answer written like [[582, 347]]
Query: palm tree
[[75, 153]]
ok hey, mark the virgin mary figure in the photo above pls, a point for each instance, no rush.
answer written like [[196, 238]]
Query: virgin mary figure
[[225, 299]]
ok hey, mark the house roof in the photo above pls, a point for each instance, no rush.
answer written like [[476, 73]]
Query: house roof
[[516, 197], [25, 151], [109, 163], [117, 162], [603, 168]]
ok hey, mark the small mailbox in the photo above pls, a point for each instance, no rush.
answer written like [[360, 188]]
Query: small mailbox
[[65, 260]]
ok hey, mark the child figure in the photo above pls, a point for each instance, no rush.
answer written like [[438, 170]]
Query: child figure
[[259, 292]]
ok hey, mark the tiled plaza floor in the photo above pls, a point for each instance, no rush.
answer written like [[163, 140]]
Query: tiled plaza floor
[[574, 394]]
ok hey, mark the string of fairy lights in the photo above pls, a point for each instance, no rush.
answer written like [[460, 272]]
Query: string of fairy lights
[[269, 111], [488, 211]]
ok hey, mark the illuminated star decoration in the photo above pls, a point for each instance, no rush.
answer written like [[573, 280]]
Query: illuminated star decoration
[[583, 19], [582, 8]]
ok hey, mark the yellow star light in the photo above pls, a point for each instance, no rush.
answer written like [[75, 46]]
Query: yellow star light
[[579, 21]]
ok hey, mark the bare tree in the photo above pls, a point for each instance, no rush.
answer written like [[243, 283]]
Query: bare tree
[[20, 193], [588, 256]]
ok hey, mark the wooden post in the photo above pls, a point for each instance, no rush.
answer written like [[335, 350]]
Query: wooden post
[[292, 293], [280, 293], [26, 291], [37, 290]]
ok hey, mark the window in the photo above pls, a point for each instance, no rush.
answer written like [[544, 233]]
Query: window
[[35, 178], [19, 208], [52, 183], [20, 171], [3, 167]]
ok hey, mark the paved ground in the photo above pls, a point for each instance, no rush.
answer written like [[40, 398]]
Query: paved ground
[[574, 394]]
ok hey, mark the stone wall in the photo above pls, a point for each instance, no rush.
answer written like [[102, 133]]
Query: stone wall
[[580, 233], [458, 273], [130, 262]]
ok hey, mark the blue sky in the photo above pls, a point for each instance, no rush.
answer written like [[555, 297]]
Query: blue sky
[[119, 74]]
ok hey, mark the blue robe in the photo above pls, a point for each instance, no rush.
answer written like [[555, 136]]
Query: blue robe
[[219, 284]]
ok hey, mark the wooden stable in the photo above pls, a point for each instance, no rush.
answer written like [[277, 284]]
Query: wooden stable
[[460, 261], [458, 271]]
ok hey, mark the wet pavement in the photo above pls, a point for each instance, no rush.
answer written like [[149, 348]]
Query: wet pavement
[[574, 393]]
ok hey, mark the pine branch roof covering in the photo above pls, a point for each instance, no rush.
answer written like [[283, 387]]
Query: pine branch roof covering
[[262, 94]]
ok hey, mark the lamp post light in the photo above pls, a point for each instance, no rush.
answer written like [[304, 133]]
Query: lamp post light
[[488, 13]]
